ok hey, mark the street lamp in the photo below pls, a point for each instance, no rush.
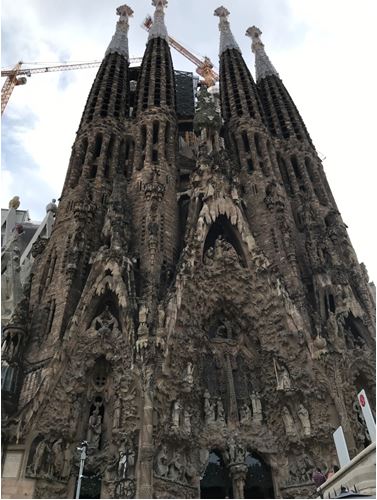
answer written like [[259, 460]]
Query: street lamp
[[83, 447]]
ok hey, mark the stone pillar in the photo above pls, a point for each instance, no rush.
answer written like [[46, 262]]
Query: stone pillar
[[238, 474], [146, 448]]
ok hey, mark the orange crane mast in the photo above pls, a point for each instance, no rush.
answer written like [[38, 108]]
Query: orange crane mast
[[17, 75]]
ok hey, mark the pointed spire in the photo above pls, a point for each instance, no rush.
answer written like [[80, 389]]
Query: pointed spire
[[227, 40], [263, 65], [158, 29], [119, 42]]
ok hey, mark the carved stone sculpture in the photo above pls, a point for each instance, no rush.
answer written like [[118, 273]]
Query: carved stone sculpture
[[94, 428], [57, 458], [176, 414], [40, 457], [162, 466], [245, 414], [257, 408], [303, 415], [282, 377], [105, 322], [288, 422], [220, 411], [122, 465], [186, 422], [176, 467], [209, 409]]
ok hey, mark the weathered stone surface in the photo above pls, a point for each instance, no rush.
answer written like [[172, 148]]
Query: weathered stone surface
[[178, 311]]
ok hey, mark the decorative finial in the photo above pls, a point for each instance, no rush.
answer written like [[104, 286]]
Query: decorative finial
[[263, 65], [119, 42], [158, 29], [227, 40]]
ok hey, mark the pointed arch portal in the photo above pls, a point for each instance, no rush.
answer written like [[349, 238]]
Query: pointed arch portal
[[217, 483], [222, 228]]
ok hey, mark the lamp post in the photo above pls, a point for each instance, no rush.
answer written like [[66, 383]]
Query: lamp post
[[82, 448]]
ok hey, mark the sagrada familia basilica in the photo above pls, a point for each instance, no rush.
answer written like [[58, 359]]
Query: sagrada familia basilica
[[197, 324]]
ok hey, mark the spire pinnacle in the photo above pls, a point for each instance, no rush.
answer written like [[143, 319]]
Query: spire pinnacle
[[158, 29], [119, 42], [263, 65], [227, 40]]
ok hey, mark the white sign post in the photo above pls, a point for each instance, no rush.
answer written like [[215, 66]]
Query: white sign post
[[367, 414], [341, 447]]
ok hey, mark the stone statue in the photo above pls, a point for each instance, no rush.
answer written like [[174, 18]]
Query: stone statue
[[220, 411], [209, 410], [187, 422], [52, 207], [66, 462], [94, 428], [40, 457], [257, 408], [288, 422], [189, 379], [57, 458], [238, 473], [176, 467], [117, 413], [105, 322], [303, 415], [282, 376], [14, 202], [245, 414], [176, 413], [122, 465], [162, 466]]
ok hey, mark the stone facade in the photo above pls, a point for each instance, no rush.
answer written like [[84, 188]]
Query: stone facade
[[198, 297]]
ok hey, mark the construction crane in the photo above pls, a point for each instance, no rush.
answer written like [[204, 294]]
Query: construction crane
[[204, 67], [17, 75]]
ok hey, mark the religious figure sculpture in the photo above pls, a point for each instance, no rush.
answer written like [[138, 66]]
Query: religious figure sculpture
[[162, 466], [122, 465], [94, 428], [66, 462], [303, 415], [14, 202], [176, 413], [57, 458], [189, 379], [105, 322], [282, 377], [186, 422], [220, 411], [209, 410], [257, 408], [176, 467], [40, 457], [117, 412], [288, 422], [52, 207], [245, 414]]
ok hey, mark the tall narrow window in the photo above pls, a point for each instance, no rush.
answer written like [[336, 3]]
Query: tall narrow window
[[98, 145], [245, 141], [167, 140], [257, 145]]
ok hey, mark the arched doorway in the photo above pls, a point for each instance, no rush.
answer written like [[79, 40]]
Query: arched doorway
[[216, 482], [258, 482]]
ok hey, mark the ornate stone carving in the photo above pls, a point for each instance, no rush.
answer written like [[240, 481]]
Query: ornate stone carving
[[289, 424], [303, 416]]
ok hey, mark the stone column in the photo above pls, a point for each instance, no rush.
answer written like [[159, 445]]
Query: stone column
[[238, 474], [146, 448]]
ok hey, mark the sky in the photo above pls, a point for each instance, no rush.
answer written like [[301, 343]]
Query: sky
[[324, 51]]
